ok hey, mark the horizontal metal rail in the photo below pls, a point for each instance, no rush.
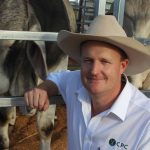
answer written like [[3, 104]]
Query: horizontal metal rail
[[28, 35], [19, 101], [58, 100]]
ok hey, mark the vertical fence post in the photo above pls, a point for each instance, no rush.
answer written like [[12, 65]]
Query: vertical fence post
[[118, 10]]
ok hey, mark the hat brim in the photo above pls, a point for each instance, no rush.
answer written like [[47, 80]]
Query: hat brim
[[139, 56]]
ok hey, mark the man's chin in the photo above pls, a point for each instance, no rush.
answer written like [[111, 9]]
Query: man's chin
[[94, 91]]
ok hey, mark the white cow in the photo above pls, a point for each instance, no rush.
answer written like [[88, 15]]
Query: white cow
[[137, 24], [22, 62]]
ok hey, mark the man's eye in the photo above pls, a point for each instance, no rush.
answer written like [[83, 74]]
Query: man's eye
[[87, 61], [105, 61]]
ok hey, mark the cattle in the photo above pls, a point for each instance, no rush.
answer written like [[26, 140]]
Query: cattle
[[23, 63], [137, 24]]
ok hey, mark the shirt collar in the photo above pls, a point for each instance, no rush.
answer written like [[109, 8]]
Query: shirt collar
[[120, 106]]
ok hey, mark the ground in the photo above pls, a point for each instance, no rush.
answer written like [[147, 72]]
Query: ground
[[25, 136]]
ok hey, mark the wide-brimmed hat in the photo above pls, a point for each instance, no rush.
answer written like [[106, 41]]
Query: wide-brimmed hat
[[105, 28]]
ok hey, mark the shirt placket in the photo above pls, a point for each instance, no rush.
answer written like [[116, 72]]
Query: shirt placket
[[90, 132]]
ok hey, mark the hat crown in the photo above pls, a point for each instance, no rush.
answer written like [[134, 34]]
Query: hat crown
[[105, 25]]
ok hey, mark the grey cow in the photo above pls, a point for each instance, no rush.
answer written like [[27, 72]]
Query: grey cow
[[22, 63], [137, 24]]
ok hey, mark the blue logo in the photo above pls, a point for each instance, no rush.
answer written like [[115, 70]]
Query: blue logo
[[113, 142]]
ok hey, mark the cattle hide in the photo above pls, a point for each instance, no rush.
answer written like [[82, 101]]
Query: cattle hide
[[23, 62], [137, 24], [49, 9]]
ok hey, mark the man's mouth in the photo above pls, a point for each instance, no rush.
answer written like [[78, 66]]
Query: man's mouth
[[95, 80]]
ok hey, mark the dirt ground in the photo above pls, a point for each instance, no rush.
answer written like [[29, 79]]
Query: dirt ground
[[25, 136]]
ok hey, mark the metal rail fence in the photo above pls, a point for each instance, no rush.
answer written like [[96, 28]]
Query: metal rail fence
[[52, 36], [29, 36]]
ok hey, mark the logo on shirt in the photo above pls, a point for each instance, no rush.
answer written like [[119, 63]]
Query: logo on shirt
[[113, 142]]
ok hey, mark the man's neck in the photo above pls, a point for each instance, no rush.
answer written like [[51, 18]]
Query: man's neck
[[102, 102]]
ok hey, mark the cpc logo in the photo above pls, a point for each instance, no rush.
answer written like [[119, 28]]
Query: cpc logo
[[113, 142]]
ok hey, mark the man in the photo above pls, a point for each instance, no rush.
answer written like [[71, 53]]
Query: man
[[104, 110]]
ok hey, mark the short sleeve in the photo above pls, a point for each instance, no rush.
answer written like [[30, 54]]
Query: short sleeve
[[66, 81]]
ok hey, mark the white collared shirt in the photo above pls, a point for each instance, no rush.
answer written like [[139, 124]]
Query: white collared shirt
[[126, 125]]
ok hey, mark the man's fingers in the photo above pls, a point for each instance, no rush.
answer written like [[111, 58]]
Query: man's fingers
[[26, 98], [29, 98], [43, 100], [46, 105], [37, 98]]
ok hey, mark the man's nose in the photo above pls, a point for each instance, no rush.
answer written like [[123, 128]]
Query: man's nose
[[96, 68]]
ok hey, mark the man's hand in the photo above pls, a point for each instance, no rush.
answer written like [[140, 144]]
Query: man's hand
[[37, 98]]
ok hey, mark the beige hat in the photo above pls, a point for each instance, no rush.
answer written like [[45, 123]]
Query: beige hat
[[106, 28]]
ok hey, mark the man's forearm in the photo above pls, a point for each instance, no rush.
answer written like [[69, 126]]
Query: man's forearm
[[50, 87]]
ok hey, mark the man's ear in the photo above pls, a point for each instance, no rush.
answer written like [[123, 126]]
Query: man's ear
[[124, 65], [37, 57]]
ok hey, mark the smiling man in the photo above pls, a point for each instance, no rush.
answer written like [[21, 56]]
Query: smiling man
[[104, 110], [102, 65]]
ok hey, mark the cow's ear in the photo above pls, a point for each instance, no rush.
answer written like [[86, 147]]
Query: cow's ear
[[37, 56]]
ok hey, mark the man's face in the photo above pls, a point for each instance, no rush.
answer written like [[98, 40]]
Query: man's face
[[101, 67]]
